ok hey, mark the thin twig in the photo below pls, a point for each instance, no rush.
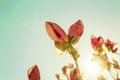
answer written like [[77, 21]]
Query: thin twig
[[77, 67], [74, 53]]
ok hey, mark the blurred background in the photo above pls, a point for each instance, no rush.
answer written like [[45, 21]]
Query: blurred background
[[24, 41]]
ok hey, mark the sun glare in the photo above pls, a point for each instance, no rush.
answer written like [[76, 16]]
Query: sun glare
[[91, 67]]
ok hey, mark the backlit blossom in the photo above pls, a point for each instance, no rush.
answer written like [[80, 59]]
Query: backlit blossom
[[102, 61], [97, 42], [61, 39], [76, 31], [110, 45], [55, 32], [33, 73], [74, 74]]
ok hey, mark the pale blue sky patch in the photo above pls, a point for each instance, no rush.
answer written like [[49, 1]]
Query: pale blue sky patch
[[24, 41]]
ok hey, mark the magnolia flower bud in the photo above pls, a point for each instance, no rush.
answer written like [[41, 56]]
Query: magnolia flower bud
[[74, 75], [110, 46], [55, 32], [33, 73], [76, 31], [97, 43]]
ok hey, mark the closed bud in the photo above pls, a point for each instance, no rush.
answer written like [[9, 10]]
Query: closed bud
[[74, 74], [76, 31], [33, 73], [97, 43]]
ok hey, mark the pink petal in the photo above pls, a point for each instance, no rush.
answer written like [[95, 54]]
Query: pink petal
[[33, 73], [97, 42], [76, 29], [55, 32]]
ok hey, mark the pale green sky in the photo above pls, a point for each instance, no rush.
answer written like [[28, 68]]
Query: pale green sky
[[24, 41]]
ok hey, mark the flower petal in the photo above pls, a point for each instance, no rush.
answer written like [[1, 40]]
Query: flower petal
[[76, 31], [97, 42], [55, 32], [33, 73]]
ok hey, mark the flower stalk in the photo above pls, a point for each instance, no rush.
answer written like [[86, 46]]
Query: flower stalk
[[77, 67], [74, 53]]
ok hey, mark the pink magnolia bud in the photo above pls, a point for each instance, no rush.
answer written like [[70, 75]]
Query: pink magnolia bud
[[33, 73], [97, 42], [55, 32], [110, 46], [76, 31], [74, 74]]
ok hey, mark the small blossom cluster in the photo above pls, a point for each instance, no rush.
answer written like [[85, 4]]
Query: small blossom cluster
[[102, 49], [61, 39], [99, 42], [65, 42], [70, 72]]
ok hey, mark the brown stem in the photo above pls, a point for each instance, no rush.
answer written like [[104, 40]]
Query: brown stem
[[77, 67], [74, 53]]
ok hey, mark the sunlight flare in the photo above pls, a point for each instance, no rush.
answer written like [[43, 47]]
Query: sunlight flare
[[91, 67]]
